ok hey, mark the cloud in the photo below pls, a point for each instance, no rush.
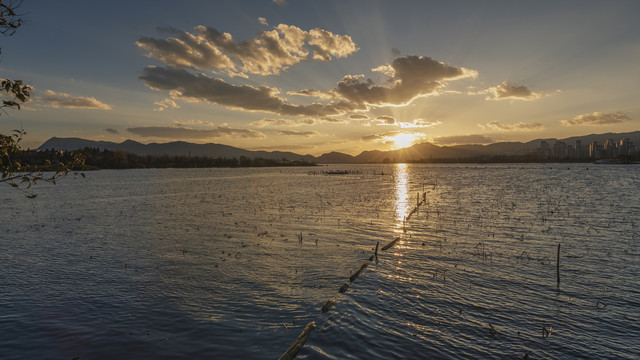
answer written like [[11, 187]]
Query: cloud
[[185, 85], [521, 126], [382, 136], [169, 132], [330, 120], [270, 52], [395, 52], [193, 122], [510, 91], [297, 133], [165, 104], [111, 131], [277, 122], [417, 123], [597, 119], [463, 140], [263, 21], [358, 117], [385, 120], [64, 100], [313, 93], [280, 2], [411, 77]]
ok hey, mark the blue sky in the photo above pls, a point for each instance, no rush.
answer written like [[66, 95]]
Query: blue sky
[[318, 76]]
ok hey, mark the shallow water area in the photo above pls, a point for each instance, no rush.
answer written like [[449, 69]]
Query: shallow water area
[[233, 263]]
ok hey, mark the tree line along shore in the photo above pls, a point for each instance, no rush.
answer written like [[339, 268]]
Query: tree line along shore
[[95, 159]]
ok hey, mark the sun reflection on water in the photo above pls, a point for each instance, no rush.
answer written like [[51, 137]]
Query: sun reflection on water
[[402, 196]]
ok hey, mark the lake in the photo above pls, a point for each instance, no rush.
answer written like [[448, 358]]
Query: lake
[[233, 263]]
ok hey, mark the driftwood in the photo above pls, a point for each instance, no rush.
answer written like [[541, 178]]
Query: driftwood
[[389, 245], [291, 353], [359, 271], [558, 266], [328, 305], [344, 287]]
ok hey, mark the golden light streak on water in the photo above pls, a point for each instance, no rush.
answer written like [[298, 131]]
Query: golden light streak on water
[[402, 196]]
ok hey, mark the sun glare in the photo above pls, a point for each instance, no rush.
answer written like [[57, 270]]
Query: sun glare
[[403, 140]]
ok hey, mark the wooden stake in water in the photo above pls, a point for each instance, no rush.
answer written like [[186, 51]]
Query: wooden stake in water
[[299, 343], [558, 266]]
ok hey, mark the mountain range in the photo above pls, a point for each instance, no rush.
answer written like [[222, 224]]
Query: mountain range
[[416, 152]]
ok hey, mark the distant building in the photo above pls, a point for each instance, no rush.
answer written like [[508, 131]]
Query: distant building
[[579, 149], [610, 149], [545, 150], [593, 150], [626, 147], [560, 150]]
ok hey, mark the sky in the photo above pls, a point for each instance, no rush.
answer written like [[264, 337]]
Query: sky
[[318, 76]]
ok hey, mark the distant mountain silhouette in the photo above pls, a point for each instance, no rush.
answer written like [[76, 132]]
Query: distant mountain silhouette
[[416, 152], [176, 148]]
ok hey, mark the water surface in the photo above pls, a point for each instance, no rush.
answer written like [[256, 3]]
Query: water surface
[[233, 263]]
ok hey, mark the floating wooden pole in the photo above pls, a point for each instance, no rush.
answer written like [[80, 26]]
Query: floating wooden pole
[[343, 288], [359, 271], [558, 266], [328, 305], [389, 245], [293, 350], [376, 252]]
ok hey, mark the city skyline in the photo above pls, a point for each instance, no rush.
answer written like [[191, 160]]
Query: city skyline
[[298, 76]]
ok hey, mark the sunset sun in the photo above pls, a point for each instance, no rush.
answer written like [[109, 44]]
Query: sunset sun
[[403, 140]]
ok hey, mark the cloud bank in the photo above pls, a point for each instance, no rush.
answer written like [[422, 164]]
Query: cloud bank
[[183, 84], [64, 100], [521, 126], [270, 52], [410, 77], [169, 132], [597, 119], [297, 133]]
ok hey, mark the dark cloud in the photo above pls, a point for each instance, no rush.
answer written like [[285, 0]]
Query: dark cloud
[[168, 132], [598, 119], [297, 133], [521, 126], [330, 120], [64, 100], [507, 90], [269, 53], [411, 76], [112, 131], [463, 140], [183, 84], [358, 117], [386, 120], [395, 52]]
